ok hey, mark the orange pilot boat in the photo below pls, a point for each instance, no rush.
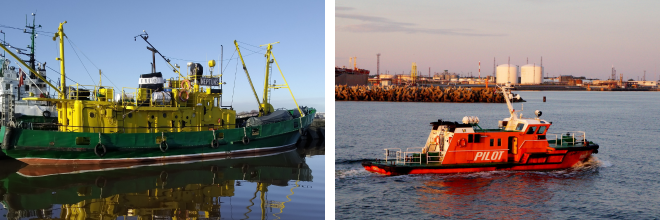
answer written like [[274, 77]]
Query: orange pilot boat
[[518, 144]]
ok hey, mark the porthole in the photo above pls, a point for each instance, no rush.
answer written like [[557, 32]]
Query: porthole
[[91, 114], [164, 115], [176, 116], [130, 115], [152, 117], [186, 117], [193, 115]]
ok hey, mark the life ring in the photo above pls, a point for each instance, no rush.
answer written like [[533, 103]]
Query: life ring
[[462, 142], [163, 176], [220, 121], [96, 150], [437, 139], [163, 146], [46, 114], [246, 140], [100, 182], [181, 95], [214, 144], [185, 84]]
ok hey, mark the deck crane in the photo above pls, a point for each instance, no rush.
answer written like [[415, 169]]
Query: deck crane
[[265, 107]]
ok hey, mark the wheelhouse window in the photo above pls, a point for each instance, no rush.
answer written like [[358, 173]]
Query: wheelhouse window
[[499, 142], [531, 130], [492, 141], [541, 130], [520, 126]]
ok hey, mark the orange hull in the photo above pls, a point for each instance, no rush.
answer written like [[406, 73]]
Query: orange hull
[[533, 163]]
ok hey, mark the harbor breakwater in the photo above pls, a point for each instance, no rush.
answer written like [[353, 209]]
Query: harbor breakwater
[[418, 94]]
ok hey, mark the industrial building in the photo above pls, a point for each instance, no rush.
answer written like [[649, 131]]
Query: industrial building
[[531, 74], [506, 73]]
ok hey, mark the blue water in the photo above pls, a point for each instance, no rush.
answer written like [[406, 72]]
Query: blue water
[[622, 181], [292, 183]]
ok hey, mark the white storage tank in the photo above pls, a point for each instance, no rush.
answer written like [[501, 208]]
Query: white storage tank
[[531, 74], [506, 73]]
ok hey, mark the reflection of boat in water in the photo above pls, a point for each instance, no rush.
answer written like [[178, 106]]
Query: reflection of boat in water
[[502, 195], [518, 144], [181, 189]]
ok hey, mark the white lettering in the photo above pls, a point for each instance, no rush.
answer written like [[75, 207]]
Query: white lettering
[[494, 156], [152, 80], [209, 81], [486, 156], [479, 154], [500, 157]]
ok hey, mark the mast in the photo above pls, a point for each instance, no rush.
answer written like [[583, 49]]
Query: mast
[[268, 63], [2, 65], [61, 35]]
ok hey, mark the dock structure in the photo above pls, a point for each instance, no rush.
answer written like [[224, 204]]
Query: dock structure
[[418, 94]]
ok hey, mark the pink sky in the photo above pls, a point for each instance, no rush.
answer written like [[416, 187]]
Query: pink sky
[[581, 38]]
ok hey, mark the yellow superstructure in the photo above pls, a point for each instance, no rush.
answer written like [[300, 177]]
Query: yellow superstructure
[[184, 105]]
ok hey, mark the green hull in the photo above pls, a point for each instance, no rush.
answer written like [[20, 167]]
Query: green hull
[[39, 147], [213, 178]]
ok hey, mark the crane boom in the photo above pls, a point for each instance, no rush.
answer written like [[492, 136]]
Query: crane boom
[[248, 76]]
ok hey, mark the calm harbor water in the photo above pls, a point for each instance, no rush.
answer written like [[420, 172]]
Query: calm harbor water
[[622, 181], [282, 185]]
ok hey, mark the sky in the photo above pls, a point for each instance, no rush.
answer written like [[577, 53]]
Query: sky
[[104, 32], [580, 38]]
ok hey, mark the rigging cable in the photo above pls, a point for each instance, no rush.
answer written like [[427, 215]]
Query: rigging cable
[[22, 29], [81, 62], [234, 89], [64, 76], [90, 60]]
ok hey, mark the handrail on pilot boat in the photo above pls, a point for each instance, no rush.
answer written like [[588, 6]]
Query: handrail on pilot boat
[[572, 134], [397, 154], [410, 155]]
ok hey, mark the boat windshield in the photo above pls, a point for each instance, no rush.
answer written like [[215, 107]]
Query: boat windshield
[[541, 130], [520, 126]]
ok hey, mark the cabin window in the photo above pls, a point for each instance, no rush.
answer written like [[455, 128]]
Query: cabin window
[[7, 86], [470, 138], [91, 114], [499, 142], [531, 130], [477, 138], [520, 126], [541, 130], [492, 141], [27, 87]]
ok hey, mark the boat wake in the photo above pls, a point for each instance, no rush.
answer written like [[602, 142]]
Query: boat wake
[[351, 161], [592, 163], [351, 173]]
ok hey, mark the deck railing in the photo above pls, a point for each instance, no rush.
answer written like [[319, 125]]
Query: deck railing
[[413, 156], [570, 137], [392, 152]]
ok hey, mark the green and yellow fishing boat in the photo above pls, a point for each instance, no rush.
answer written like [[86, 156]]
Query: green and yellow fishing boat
[[163, 120]]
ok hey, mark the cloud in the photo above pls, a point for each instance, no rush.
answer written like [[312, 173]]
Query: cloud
[[380, 24]]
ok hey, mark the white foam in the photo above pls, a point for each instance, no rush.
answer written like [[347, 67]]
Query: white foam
[[342, 174]]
